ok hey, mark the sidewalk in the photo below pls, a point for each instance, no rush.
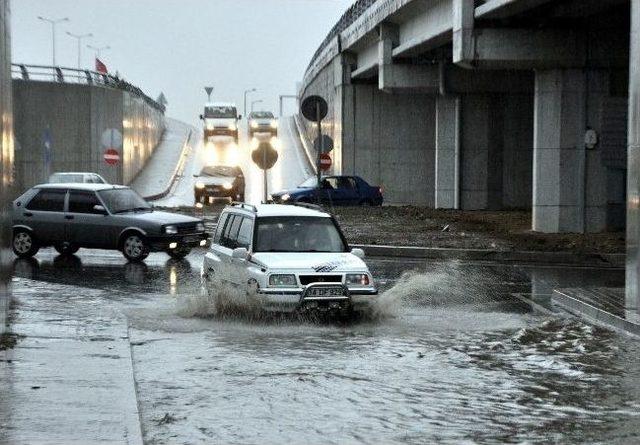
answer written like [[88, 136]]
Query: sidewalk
[[156, 175], [69, 378]]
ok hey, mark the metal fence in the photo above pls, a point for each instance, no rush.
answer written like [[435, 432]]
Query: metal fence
[[59, 74]]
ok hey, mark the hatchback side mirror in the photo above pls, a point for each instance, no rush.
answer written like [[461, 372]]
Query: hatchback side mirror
[[240, 253], [358, 252], [201, 117], [100, 209], [240, 117]]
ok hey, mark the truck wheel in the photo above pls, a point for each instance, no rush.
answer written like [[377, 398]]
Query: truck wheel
[[179, 253], [24, 244], [134, 247]]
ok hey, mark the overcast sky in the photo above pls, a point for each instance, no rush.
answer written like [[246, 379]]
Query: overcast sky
[[178, 46]]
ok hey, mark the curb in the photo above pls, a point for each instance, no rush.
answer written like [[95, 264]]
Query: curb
[[178, 170], [439, 253]]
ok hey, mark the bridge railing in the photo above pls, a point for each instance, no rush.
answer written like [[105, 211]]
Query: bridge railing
[[60, 74]]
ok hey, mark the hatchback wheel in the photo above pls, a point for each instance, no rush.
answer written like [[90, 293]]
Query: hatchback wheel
[[24, 244], [134, 248]]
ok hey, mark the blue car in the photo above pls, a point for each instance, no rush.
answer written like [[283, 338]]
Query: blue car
[[334, 190]]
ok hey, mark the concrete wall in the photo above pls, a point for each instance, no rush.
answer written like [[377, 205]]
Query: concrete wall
[[6, 159], [77, 117]]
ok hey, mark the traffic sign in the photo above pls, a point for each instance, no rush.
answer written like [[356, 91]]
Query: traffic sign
[[111, 156], [208, 90], [310, 107], [325, 162], [327, 144], [265, 156]]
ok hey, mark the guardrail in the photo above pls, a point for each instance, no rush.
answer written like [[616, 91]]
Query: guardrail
[[44, 73]]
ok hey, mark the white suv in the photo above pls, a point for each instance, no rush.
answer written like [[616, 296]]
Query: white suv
[[284, 258]]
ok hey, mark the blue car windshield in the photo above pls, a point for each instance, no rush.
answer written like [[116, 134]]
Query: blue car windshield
[[309, 183]]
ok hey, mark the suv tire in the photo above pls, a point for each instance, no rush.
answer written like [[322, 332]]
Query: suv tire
[[134, 247], [24, 244]]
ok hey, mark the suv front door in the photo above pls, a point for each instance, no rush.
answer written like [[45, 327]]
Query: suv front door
[[88, 227], [45, 215]]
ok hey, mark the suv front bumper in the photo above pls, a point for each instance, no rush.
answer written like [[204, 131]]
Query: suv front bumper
[[296, 299], [163, 242]]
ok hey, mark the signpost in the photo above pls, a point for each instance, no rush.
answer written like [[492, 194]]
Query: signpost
[[47, 152], [315, 108], [265, 157]]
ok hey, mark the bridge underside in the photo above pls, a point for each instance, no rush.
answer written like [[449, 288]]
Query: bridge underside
[[486, 105]]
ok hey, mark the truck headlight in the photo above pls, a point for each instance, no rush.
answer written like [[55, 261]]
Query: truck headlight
[[227, 186], [200, 227], [282, 280], [171, 230], [274, 124], [199, 185], [358, 279]]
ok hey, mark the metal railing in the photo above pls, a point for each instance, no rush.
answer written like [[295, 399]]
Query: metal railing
[[44, 73]]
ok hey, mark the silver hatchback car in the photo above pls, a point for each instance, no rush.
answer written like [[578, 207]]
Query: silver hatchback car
[[100, 216]]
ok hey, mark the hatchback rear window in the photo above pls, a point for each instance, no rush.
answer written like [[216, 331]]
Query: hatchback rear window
[[48, 201]]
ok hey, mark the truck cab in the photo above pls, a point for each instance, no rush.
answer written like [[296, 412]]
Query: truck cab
[[220, 119]]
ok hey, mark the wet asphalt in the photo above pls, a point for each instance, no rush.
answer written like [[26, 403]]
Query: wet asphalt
[[456, 353]]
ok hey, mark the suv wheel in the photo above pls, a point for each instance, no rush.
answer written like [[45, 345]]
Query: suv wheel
[[179, 253], [134, 247], [24, 244], [66, 249]]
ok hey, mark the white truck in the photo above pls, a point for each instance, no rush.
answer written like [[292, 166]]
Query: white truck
[[220, 119]]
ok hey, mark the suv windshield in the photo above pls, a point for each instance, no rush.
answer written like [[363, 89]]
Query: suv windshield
[[219, 170], [123, 200], [220, 112], [298, 234], [262, 115]]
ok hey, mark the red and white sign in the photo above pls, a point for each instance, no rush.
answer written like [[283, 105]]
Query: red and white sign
[[101, 67], [111, 156], [325, 162]]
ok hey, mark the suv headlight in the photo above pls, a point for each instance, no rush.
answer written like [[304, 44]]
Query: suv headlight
[[171, 230], [274, 124], [200, 227], [199, 185], [227, 186], [358, 279], [282, 280], [233, 127], [254, 124]]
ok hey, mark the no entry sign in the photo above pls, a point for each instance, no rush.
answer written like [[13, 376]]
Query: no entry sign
[[111, 156], [325, 162]]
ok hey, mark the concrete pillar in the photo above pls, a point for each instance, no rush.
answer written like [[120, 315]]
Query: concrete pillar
[[481, 149], [558, 155], [633, 164], [447, 152]]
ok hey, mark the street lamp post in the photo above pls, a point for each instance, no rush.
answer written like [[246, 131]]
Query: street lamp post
[[255, 102], [79, 38], [252, 90], [53, 23]]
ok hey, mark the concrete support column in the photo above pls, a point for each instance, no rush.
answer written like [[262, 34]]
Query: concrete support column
[[447, 152], [633, 165], [559, 152]]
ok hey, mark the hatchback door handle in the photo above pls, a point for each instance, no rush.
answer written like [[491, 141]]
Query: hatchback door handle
[[28, 214], [68, 216]]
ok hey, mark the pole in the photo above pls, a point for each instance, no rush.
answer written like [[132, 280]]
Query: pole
[[264, 175], [53, 42], [320, 146]]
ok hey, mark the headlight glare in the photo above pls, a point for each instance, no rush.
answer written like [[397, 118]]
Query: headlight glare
[[171, 230], [199, 185], [254, 124], [282, 280], [200, 227], [358, 279], [286, 197], [274, 124], [227, 186], [232, 127]]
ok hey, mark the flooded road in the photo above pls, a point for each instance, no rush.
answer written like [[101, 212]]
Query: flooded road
[[457, 355]]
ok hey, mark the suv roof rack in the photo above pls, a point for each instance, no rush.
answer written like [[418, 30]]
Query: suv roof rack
[[308, 205], [245, 206]]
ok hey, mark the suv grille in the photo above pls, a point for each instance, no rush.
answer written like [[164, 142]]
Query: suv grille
[[308, 279], [187, 228]]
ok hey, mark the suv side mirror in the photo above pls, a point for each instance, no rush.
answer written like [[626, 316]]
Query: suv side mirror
[[240, 253], [358, 252], [100, 209], [239, 117], [201, 117]]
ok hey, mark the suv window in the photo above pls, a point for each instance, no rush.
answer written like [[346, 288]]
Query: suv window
[[231, 234], [244, 234], [48, 200], [221, 222], [83, 202]]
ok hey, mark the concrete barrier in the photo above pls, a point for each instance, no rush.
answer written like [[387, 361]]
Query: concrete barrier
[[81, 121]]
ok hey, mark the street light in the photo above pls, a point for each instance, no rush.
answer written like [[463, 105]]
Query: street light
[[255, 102], [53, 23], [98, 49], [252, 90], [79, 38]]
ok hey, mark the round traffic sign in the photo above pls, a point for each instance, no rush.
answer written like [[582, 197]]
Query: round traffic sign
[[327, 144], [111, 156], [265, 156], [313, 105], [325, 162]]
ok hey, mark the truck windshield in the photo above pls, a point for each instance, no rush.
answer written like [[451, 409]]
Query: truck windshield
[[123, 200], [298, 234], [219, 170], [221, 112]]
